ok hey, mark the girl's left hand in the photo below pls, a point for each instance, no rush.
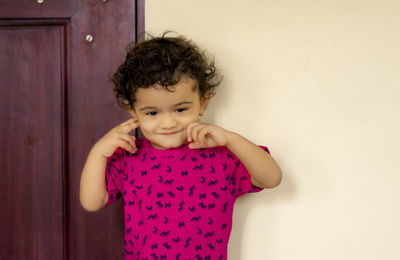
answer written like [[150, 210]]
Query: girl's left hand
[[202, 135]]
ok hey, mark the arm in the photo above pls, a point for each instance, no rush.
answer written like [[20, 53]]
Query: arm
[[263, 169], [93, 193]]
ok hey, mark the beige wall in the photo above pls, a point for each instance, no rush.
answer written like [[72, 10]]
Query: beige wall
[[319, 83]]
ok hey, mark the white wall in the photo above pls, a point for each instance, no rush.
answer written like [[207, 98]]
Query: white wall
[[319, 83]]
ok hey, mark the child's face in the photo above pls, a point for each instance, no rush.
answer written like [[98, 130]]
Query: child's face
[[164, 115]]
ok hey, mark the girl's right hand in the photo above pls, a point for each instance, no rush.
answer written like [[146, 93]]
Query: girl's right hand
[[118, 137]]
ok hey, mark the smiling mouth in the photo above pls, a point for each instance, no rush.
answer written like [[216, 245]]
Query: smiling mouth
[[171, 133]]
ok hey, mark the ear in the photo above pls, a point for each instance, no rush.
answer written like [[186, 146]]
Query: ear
[[132, 112], [204, 102]]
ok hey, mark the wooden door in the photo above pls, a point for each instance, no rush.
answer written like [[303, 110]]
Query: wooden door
[[56, 100]]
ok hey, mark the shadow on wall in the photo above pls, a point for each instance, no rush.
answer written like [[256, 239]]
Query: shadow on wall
[[284, 193]]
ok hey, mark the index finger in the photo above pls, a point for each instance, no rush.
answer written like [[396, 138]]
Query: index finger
[[128, 125], [130, 120], [189, 130]]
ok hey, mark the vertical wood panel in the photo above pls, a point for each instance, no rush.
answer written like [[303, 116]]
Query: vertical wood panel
[[93, 112], [56, 100], [31, 180]]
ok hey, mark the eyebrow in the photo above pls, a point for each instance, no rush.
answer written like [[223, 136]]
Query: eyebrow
[[176, 105]]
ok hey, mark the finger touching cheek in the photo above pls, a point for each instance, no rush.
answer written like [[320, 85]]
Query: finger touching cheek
[[189, 130]]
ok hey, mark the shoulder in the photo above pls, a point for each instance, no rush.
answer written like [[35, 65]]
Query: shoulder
[[228, 155], [122, 156], [220, 153]]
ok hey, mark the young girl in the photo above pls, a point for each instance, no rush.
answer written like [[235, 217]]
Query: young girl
[[180, 183]]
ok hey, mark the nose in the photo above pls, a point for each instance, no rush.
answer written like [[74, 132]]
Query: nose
[[168, 121]]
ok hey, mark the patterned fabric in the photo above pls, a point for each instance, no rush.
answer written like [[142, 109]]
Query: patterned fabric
[[178, 203]]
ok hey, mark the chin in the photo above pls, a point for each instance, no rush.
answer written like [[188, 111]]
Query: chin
[[165, 143]]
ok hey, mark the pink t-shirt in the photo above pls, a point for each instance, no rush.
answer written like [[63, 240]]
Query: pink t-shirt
[[178, 203]]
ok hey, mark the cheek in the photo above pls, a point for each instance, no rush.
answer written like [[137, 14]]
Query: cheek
[[190, 119], [146, 125]]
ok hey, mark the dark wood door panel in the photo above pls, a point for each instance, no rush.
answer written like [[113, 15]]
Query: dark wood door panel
[[31, 141], [93, 112], [56, 100]]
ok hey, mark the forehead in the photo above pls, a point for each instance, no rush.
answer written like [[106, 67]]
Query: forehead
[[185, 90]]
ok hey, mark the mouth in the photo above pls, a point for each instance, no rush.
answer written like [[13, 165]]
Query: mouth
[[171, 133]]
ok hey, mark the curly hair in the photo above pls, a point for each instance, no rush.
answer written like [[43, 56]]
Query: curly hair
[[163, 61]]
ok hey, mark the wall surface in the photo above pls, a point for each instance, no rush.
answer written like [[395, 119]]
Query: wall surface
[[319, 83]]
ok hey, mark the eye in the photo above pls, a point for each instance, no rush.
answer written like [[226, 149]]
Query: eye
[[151, 113], [180, 110]]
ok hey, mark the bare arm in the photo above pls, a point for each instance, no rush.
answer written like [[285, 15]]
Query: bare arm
[[93, 193], [263, 169]]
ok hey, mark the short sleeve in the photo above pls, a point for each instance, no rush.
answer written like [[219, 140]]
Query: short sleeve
[[243, 179], [114, 178]]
